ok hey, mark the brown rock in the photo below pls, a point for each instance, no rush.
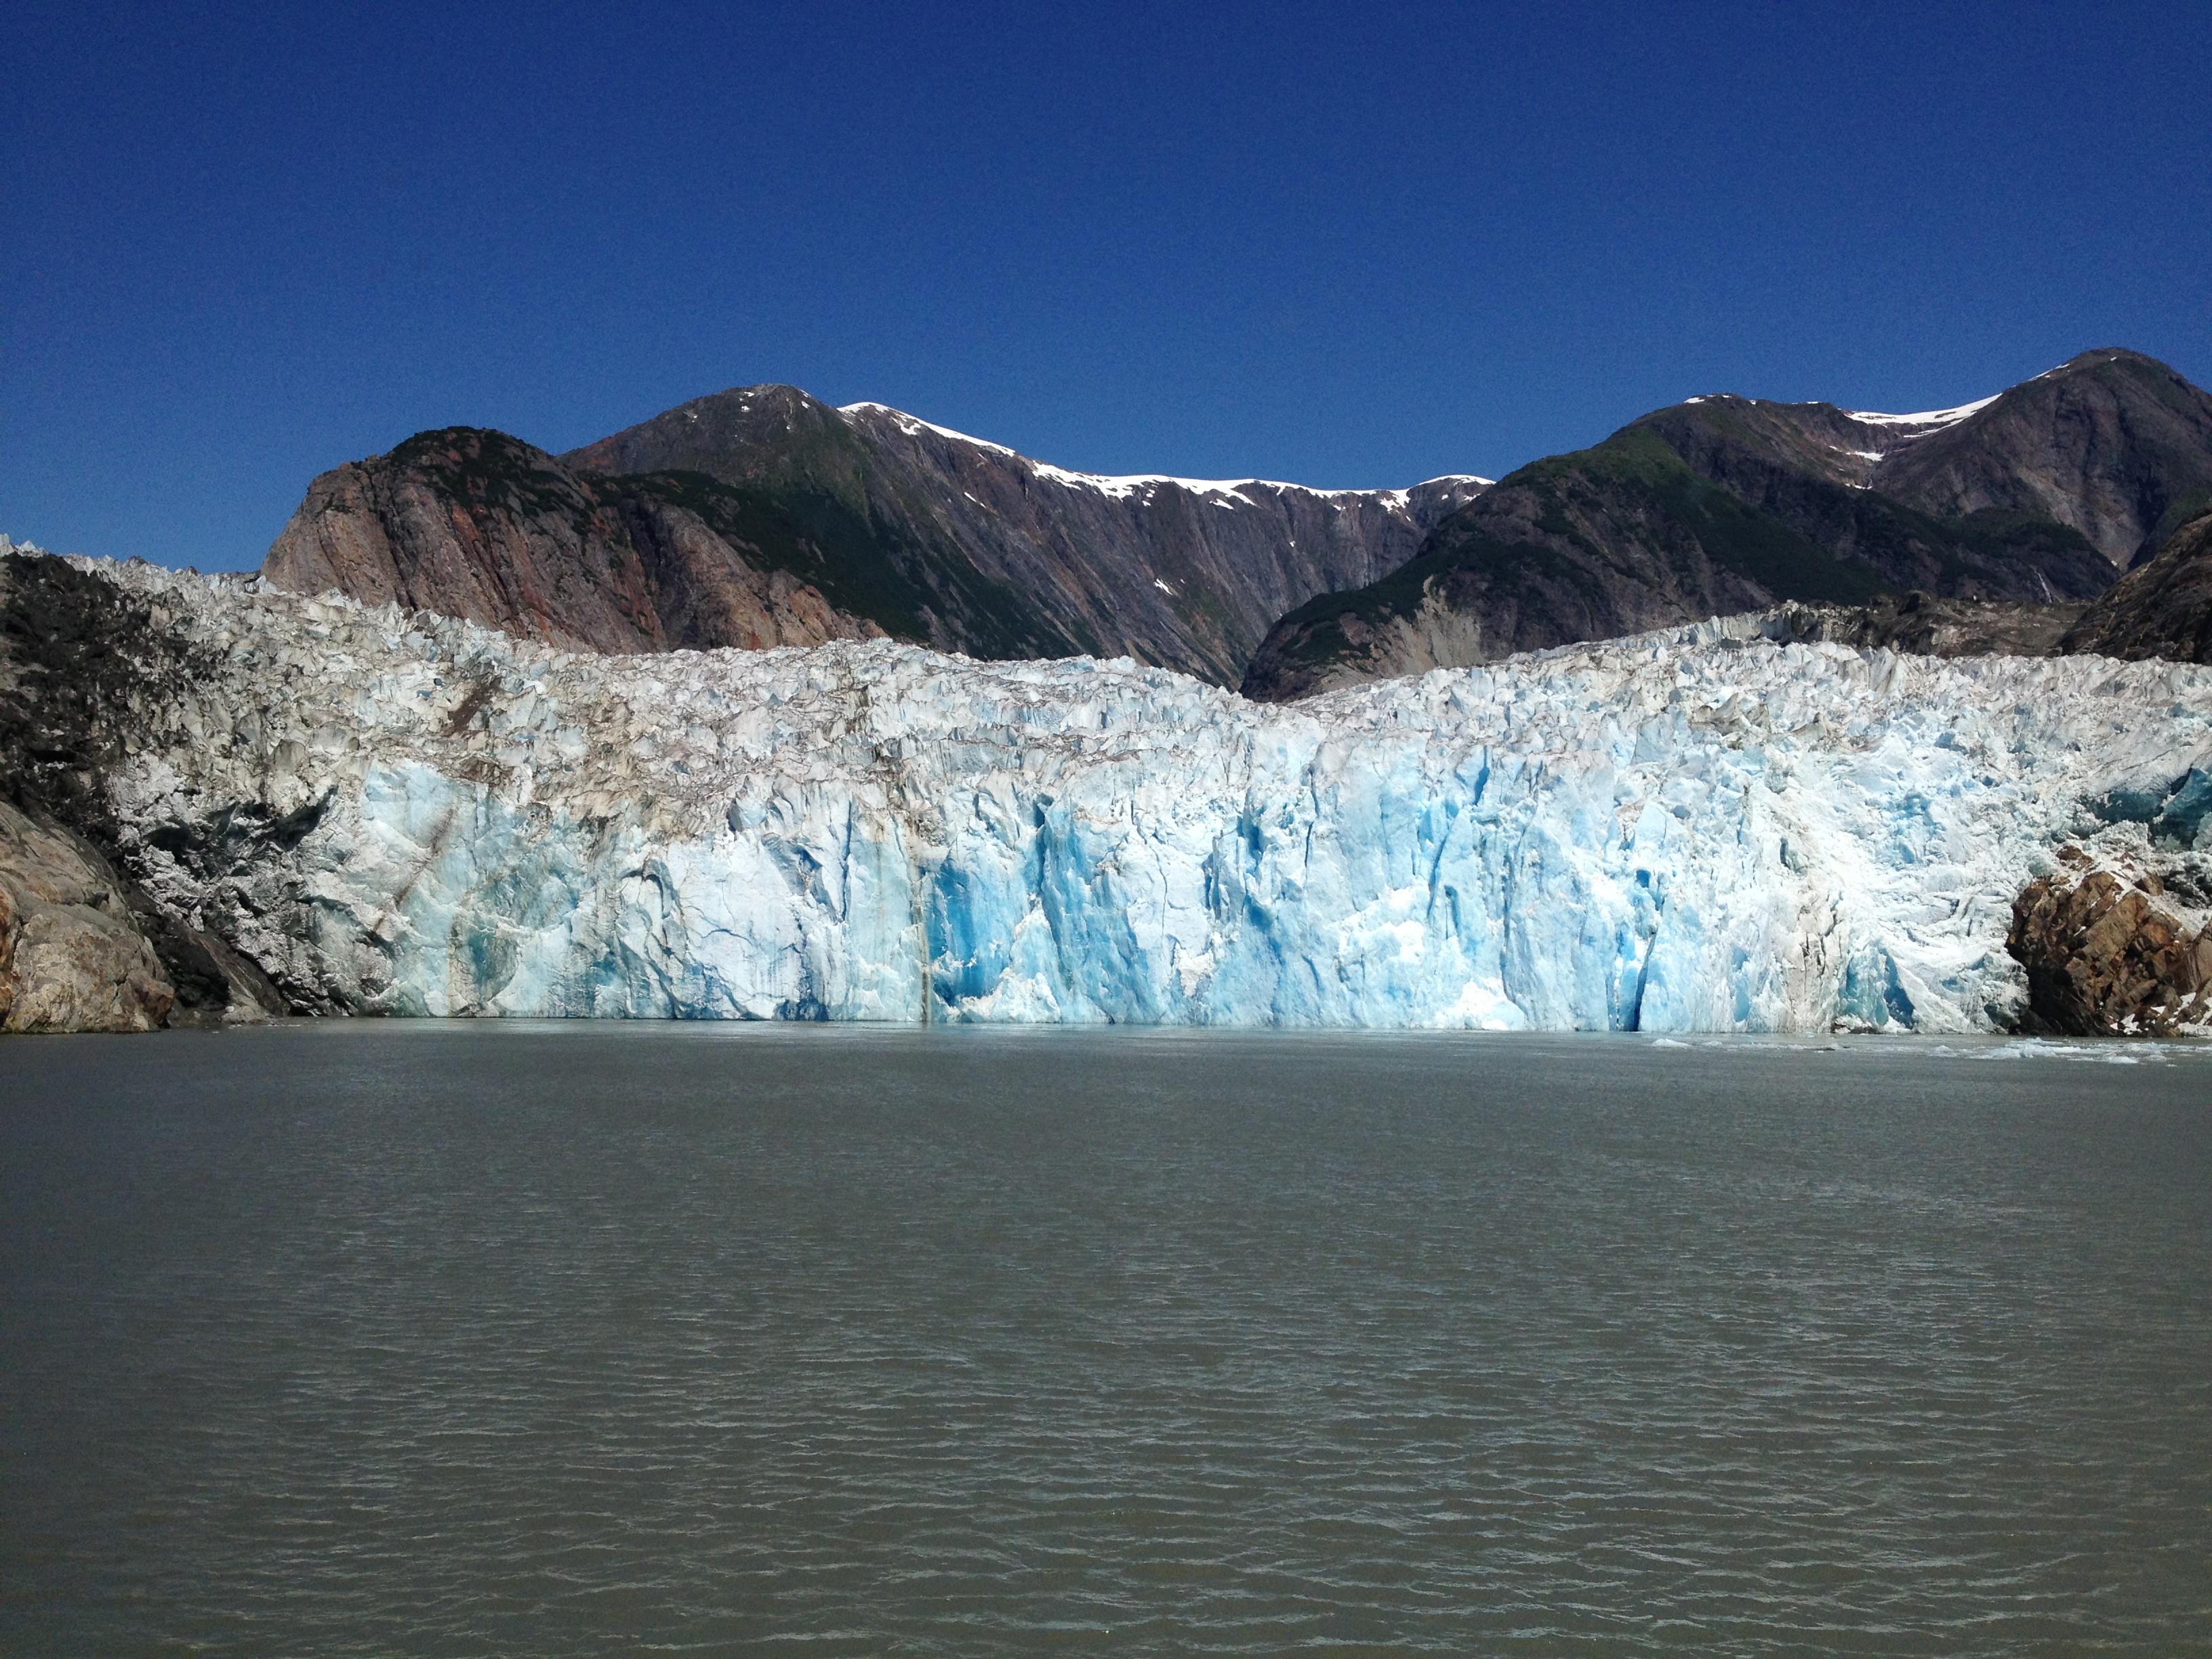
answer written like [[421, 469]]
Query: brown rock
[[477, 525], [70, 957], [2109, 958]]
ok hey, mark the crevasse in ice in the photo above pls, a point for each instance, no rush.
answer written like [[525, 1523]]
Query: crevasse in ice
[[1696, 831]]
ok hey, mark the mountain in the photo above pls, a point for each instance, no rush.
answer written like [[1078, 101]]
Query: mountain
[[1024, 559], [2114, 443], [763, 516], [1685, 832], [1721, 504]]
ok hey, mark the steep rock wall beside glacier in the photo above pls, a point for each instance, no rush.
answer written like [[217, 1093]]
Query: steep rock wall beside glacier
[[2118, 941], [1692, 831], [70, 957]]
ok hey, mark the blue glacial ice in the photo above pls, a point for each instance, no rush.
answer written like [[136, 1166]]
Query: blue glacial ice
[[1701, 830]]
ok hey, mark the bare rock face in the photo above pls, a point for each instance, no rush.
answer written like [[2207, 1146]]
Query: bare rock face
[[475, 525], [479, 525], [2161, 609], [2114, 947], [72, 958], [83, 947]]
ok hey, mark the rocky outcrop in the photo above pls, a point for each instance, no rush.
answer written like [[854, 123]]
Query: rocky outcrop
[[477, 525], [72, 957], [2161, 609], [2117, 942], [1723, 504], [85, 664]]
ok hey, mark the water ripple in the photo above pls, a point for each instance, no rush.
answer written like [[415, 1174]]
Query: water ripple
[[465, 1341]]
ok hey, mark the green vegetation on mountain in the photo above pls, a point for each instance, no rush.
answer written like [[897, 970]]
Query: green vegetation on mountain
[[831, 549], [1723, 504]]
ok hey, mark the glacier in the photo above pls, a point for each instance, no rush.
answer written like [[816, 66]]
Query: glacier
[[1700, 831]]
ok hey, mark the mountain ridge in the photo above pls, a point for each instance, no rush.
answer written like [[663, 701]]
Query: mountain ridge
[[763, 516], [2043, 493], [1182, 573]]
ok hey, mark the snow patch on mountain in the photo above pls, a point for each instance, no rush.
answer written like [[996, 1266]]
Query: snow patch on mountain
[[1123, 486], [1931, 419], [914, 425]]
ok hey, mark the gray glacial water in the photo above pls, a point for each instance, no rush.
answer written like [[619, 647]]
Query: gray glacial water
[[476, 1339]]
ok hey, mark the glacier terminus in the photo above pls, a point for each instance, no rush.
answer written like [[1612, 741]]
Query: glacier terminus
[[1703, 829]]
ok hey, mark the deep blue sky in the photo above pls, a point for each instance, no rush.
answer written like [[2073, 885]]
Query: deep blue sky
[[1346, 245]]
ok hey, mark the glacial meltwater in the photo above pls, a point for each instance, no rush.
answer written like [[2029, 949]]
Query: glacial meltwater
[[369, 1337]]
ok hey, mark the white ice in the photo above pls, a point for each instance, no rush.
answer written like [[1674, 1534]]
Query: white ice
[[1701, 830]]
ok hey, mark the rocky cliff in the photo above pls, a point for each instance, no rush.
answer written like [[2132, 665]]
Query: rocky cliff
[[386, 812], [480, 525], [86, 662], [2117, 941], [762, 516], [2161, 609], [72, 957], [1725, 503]]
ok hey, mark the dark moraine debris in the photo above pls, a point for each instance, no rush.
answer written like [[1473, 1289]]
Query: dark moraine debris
[[82, 946], [1927, 626]]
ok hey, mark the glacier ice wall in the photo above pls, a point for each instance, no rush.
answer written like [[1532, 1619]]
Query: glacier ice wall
[[1698, 830]]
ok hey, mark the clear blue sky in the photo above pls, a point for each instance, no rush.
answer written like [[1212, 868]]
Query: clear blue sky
[[1347, 245]]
